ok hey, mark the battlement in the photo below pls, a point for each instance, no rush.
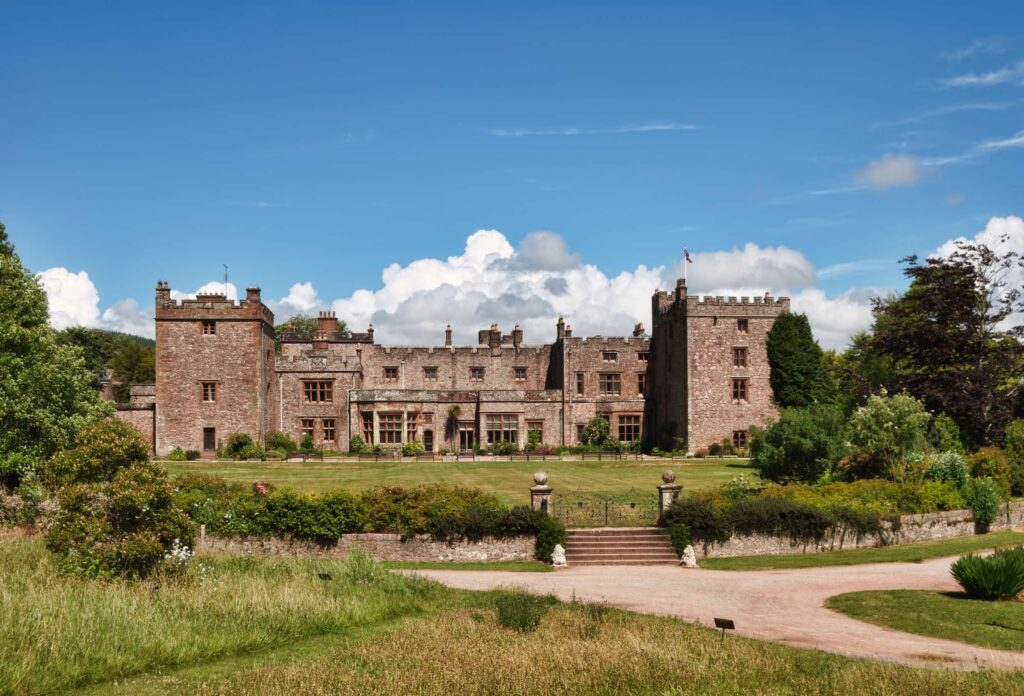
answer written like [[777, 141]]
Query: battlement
[[211, 305], [664, 303]]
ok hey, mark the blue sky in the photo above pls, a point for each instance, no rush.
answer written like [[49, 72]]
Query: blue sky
[[320, 143]]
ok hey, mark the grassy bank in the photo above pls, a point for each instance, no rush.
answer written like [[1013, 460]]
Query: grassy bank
[[511, 481], [905, 553], [273, 626], [938, 614]]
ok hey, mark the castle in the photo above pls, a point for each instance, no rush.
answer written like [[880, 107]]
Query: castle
[[701, 375]]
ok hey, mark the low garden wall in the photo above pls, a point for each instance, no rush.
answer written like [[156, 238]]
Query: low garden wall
[[912, 528], [382, 547]]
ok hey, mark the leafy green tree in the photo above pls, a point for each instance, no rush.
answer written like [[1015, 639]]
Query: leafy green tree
[[597, 431], [1015, 455], [805, 444], [858, 372], [884, 432], [46, 390], [99, 346], [948, 341], [132, 362], [944, 435], [799, 372]]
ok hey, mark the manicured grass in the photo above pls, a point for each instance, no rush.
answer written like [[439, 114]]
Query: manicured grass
[[271, 626], [511, 481], [938, 614], [513, 566], [906, 553]]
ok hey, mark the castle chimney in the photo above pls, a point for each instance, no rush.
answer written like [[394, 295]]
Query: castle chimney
[[568, 331], [517, 336], [369, 332], [495, 337], [448, 335], [681, 289], [252, 295], [327, 323], [561, 328], [483, 337], [638, 329], [163, 292]]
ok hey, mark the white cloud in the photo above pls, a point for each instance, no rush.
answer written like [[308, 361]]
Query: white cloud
[[891, 171], [650, 127], [1016, 140], [976, 47], [212, 287], [72, 296], [127, 316], [835, 319], [1008, 74]]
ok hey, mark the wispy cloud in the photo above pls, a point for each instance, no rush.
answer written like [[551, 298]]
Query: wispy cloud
[[982, 148], [250, 204], [976, 48], [1008, 74], [841, 269], [942, 111], [651, 127], [994, 145], [835, 191]]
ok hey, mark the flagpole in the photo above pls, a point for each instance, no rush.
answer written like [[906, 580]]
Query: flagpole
[[684, 266]]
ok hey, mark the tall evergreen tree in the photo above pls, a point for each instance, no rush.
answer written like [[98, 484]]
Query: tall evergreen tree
[[46, 392], [799, 373]]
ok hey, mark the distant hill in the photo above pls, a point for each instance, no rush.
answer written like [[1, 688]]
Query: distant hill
[[99, 346]]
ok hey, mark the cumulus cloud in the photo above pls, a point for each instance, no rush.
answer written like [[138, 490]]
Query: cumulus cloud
[[835, 319], [891, 171], [72, 296], [213, 287]]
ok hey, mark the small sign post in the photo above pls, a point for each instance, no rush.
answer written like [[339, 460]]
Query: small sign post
[[725, 624]]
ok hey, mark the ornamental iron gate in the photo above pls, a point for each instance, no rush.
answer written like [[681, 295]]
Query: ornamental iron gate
[[631, 509]]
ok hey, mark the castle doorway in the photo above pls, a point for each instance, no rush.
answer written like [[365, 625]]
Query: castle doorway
[[209, 439], [428, 440]]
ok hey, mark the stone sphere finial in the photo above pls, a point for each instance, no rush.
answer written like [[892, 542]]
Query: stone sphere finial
[[668, 476], [540, 478]]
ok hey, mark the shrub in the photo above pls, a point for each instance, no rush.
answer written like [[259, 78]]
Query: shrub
[[680, 535], [413, 448], [276, 440], [803, 445], [991, 462], [780, 517], [949, 466], [739, 488], [319, 518], [1015, 455], [102, 449], [533, 440], [550, 532], [999, 576], [251, 451], [886, 430], [983, 496], [236, 442], [596, 431], [715, 449], [944, 435], [706, 524], [520, 611], [177, 455], [191, 455], [307, 446], [356, 445]]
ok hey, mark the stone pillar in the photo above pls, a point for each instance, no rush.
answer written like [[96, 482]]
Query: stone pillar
[[540, 494], [668, 491]]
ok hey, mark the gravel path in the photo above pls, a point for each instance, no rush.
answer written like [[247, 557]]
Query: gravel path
[[785, 606]]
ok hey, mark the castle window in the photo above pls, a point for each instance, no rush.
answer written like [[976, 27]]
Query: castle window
[[739, 390], [629, 428], [519, 374], [609, 356], [535, 426], [739, 357], [209, 392], [209, 327], [307, 427], [318, 392], [739, 439], [502, 427], [410, 426], [430, 374], [742, 325], [368, 428], [641, 383], [391, 374], [328, 426], [643, 356], [580, 381], [609, 383], [476, 374], [390, 428]]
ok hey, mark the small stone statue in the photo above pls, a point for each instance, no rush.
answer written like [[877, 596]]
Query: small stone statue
[[558, 556], [689, 559]]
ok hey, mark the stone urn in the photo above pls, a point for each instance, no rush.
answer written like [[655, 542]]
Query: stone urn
[[540, 478], [668, 476]]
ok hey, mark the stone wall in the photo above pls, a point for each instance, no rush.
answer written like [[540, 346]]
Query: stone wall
[[139, 416], [382, 547], [912, 528]]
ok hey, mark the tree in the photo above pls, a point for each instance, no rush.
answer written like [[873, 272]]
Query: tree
[[304, 326], [99, 346], [799, 374], [953, 340], [132, 362], [597, 431], [884, 432], [1015, 455], [803, 445], [858, 372], [46, 391]]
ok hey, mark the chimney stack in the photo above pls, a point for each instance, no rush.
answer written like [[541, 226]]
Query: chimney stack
[[448, 335], [681, 289], [568, 331], [163, 292], [517, 336], [369, 332], [638, 330], [252, 295], [327, 323], [495, 338], [561, 328]]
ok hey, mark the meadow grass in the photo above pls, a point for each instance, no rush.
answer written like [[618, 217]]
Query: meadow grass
[[943, 615], [902, 553], [509, 480]]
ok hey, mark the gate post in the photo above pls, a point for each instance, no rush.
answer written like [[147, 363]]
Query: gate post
[[540, 494], [668, 491]]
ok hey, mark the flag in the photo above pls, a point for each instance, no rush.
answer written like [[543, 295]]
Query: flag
[[686, 255]]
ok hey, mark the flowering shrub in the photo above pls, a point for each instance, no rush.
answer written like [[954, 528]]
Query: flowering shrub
[[101, 450], [884, 431]]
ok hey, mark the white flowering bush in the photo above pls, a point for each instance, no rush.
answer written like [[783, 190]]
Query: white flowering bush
[[884, 433]]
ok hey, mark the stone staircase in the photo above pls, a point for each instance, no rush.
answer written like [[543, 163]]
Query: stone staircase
[[619, 546]]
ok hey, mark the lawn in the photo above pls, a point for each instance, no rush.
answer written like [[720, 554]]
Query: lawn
[[510, 480], [905, 553], [274, 626], [938, 614]]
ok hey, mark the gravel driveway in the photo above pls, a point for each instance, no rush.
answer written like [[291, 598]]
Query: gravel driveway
[[785, 606]]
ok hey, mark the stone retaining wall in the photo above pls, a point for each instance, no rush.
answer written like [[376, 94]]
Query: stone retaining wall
[[382, 547], [912, 528]]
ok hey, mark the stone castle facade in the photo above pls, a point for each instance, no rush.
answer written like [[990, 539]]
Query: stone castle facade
[[701, 375]]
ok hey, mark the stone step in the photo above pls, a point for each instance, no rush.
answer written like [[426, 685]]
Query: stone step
[[620, 552], [611, 533], [625, 544], [612, 562]]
